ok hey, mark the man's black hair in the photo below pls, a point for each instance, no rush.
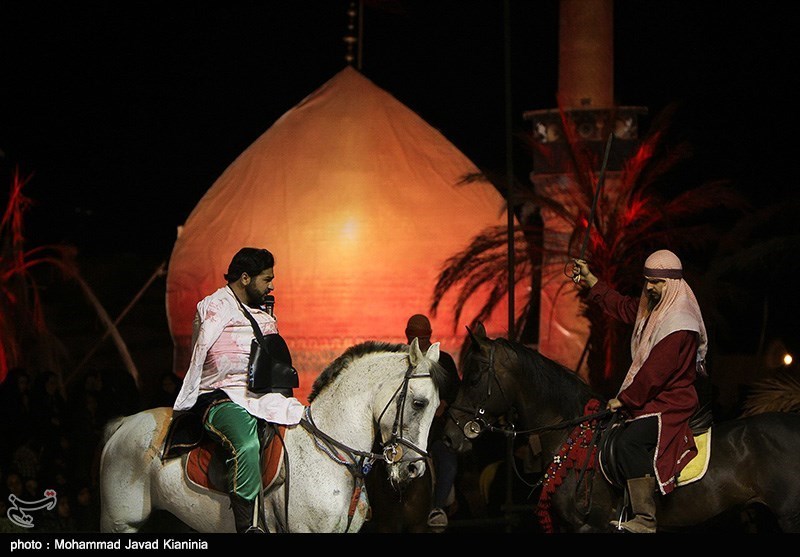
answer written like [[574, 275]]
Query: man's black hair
[[251, 261]]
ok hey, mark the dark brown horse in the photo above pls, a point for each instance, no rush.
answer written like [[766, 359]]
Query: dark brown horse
[[753, 463]]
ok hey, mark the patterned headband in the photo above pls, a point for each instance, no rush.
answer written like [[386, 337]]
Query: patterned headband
[[663, 273]]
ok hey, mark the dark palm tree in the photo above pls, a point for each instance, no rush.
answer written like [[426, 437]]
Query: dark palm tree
[[642, 215], [25, 339], [23, 330]]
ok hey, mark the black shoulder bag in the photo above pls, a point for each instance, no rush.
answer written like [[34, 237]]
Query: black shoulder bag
[[270, 367]]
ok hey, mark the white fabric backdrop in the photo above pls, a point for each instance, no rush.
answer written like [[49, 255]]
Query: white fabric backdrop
[[357, 197]]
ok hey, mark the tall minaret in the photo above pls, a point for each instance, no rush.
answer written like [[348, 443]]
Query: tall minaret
[[586, 97], [586, 54]]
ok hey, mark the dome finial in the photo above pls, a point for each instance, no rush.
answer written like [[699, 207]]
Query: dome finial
[[351, 39]]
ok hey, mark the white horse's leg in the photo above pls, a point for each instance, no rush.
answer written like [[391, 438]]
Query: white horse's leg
[[125, 473], [320, 491], [200, 509]]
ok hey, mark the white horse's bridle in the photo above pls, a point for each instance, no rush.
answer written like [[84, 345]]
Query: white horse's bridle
[[393, 447], [359, 463], [392, 450]]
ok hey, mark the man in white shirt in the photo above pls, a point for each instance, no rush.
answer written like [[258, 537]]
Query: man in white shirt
[[216, 383]]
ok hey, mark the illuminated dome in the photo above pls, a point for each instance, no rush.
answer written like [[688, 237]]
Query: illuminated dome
[[358, 198]]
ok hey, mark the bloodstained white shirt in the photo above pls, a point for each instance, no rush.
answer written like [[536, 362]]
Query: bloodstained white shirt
[[220, 353]]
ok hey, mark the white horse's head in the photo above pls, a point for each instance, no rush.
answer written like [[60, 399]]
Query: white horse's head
[[411, 401]]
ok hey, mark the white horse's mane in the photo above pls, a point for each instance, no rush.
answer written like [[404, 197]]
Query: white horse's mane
[[351, 354]]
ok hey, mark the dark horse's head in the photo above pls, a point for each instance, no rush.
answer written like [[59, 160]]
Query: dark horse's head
[[506, 384]]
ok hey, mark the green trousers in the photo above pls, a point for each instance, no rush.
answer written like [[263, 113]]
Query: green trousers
[[237, 430]]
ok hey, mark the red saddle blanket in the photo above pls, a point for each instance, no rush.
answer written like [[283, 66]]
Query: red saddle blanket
[[205, 464]]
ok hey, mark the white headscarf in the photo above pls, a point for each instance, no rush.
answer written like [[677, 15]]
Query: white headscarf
[[677, 310]]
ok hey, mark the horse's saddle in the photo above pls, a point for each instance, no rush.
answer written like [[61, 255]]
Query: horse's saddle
[[700, 424], [204, 458]]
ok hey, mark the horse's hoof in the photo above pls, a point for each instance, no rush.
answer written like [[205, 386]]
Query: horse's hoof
[[437, 520]]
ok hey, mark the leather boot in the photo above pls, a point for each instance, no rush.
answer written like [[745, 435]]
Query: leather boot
[[642, 492], [247, 517]]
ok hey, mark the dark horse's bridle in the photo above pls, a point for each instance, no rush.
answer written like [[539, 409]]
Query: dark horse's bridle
[[478, 423]]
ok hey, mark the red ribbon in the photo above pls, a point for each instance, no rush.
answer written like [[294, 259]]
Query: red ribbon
[[573, 451]]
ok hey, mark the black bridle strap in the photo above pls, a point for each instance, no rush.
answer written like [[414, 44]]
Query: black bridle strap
[[493, 379], [357, 468], [397, 426], [566, 423], [479, 410], [560, 425], [511, 431], [356, 465], [400, 394]]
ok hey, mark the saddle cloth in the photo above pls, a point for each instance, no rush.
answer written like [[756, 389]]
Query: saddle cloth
[[697, 467], [204, 459], [701, 425]]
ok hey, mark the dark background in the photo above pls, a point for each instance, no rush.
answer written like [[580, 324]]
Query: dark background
[[124, 114]]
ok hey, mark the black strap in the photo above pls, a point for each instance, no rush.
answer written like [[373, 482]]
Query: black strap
[[256, 328], [260, 337]]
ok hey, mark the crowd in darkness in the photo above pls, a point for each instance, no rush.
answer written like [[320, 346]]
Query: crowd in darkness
[[50, 439]]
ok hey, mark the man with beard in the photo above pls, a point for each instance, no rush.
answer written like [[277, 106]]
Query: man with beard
[[658, 395], [215, 386]]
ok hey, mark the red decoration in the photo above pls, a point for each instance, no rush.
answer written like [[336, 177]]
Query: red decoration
[[573, 452]]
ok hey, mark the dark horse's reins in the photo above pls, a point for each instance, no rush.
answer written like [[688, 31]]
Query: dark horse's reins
[[359, 463], [478, 423]]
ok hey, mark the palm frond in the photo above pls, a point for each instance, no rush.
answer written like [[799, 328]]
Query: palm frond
[[778, 393], [651, 207], [483, 262], [22, 317]]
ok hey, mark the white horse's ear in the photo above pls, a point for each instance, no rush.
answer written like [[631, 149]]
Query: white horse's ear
[[415, 354], [433, 352]]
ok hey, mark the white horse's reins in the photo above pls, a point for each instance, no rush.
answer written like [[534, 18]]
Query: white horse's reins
[[360, 462]]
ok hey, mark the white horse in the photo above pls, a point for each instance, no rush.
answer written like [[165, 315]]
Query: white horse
[[371, 387]]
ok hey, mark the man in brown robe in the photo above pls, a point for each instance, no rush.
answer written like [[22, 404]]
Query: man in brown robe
[[658, 395]]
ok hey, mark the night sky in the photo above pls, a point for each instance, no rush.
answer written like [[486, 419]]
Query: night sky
[[126, 113]]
